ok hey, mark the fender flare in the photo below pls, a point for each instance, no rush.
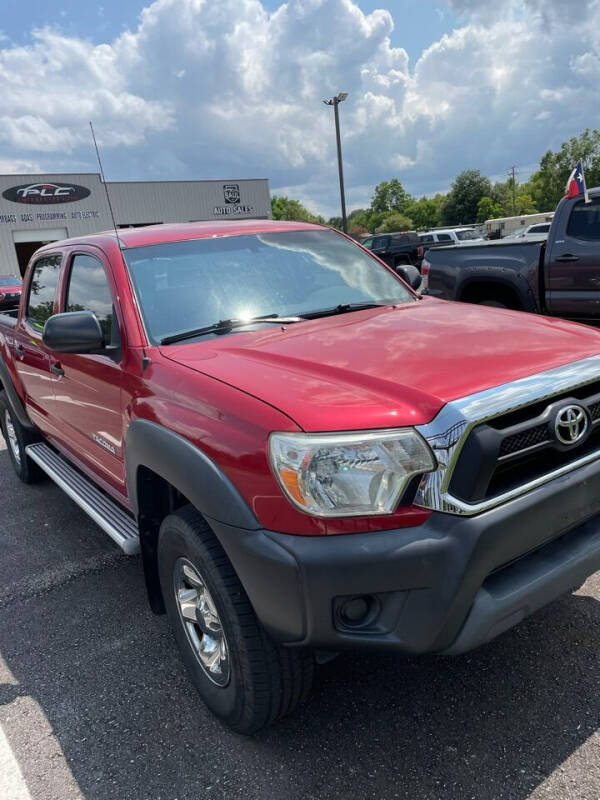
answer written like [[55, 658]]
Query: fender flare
[[13, 398], [188, 470]]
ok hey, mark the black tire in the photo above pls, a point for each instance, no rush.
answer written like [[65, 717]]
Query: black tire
[[266, 681], [25, 469], [492, 303]]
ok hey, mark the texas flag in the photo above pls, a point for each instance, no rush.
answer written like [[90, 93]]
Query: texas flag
[[576, 183]]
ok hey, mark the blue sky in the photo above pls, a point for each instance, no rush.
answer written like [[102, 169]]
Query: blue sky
[[419, 22], [233, 88]]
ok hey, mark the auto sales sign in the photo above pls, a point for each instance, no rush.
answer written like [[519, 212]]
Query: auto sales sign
[[45, 193]]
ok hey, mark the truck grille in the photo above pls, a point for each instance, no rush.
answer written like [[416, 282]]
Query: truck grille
[[524, 440], [516, 448]]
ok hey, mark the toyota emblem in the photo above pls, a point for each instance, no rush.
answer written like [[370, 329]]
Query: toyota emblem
[[571, 424]]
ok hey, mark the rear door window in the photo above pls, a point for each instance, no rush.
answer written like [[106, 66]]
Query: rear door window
[[379, 242], [444, 237], [584, 222], [42, 291]]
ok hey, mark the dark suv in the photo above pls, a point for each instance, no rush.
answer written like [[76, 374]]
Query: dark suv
[[396, 248]]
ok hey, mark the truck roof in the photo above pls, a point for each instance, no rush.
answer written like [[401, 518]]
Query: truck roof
[[178, 231]]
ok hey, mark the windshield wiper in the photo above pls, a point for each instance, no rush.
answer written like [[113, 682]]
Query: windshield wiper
[[225, 325], [342, 308]]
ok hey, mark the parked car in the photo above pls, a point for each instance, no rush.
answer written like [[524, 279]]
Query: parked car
[[530, 232], [310, 458], [449, 236], [396, 249], [10, 291], [558, 275]]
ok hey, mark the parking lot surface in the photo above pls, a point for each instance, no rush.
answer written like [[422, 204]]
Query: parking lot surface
[[94, 701]]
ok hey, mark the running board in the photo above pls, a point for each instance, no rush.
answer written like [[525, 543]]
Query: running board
[[102, 509]]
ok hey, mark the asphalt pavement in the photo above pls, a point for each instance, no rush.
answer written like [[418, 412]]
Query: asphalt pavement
[[94, 701]]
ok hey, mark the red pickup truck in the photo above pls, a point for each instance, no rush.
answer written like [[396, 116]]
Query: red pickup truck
[[10, 292], [310, 457]]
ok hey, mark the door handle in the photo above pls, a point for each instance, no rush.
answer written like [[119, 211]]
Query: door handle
[[57, 369], [20, 350], [567, 257]]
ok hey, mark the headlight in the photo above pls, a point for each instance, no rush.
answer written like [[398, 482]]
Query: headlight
[[348, 474]]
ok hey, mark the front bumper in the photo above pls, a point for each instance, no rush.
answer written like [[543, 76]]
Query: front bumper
[[448, 585], [8, 303]]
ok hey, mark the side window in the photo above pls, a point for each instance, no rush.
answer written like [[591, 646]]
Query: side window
[[40, 304], [426, 238], [368, 243], [444, 237], [89, 291], [584, 222]]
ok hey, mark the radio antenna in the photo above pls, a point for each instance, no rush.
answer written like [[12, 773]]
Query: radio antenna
[[112, 216]]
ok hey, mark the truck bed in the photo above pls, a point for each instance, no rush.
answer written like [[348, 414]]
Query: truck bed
[[455, 268]]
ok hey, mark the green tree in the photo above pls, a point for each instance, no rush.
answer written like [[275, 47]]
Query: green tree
[[502, 198], [395, 222], [525, 202], [425, 212], [357, 231], [284, 208], [461, 205], [548, 183], [487, 209], [390, 196]]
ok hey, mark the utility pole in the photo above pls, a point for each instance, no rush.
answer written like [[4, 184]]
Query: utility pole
[[513, 174], [335, 101]]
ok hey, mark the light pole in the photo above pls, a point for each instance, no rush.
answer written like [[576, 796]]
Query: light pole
[[335, 101]]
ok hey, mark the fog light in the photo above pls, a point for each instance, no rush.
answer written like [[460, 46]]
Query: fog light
[[355, 611]]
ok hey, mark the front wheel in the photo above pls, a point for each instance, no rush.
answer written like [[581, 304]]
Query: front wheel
[[492, 303], [17, 438], [243, 676]]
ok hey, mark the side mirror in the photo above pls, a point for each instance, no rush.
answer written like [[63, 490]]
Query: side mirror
[[73, 332], [410, 274]]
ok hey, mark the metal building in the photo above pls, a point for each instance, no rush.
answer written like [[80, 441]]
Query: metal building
[[36, 209]]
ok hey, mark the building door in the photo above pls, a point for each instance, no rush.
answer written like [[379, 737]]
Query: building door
[[27, 242]]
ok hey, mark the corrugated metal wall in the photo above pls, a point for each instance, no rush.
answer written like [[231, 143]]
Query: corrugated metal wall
[[185, 201], [134, 203]]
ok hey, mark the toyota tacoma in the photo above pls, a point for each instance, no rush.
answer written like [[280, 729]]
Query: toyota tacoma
[[310, 457]]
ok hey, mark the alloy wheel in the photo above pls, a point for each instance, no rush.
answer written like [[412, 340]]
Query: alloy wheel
[[201, 621]]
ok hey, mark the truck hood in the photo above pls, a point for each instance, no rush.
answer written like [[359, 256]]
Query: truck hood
[[386, 367]]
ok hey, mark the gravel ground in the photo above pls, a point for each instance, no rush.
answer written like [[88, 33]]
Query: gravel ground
[[94, 702]]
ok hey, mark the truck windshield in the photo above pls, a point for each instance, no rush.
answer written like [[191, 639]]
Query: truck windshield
[[10, 281], [183, 286]]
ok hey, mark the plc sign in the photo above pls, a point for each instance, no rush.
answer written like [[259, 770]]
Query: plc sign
[[45, 193]]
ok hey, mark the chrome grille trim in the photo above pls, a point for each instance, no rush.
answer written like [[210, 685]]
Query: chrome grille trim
[[447, 433]]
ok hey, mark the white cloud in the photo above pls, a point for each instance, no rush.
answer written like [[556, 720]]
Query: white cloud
[[205, 89], [8, 166]]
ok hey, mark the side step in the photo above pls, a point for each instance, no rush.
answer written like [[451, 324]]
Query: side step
[[101, 508]]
